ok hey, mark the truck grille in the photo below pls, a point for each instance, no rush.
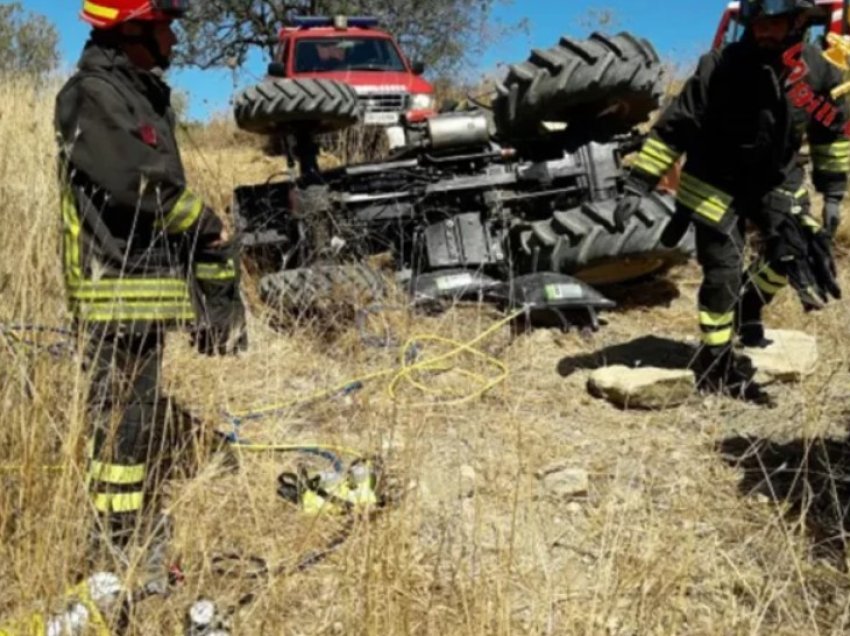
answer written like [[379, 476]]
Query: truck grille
[[385, 102]]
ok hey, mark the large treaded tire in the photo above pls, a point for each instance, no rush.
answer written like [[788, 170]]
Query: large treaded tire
[[582, 242], [309, 289], [607, 83], [327, 104]]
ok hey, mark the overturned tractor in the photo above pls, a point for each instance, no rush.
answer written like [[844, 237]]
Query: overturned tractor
[[512, 203]]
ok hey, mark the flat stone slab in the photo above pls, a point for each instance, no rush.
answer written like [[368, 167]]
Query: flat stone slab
[[789, 358], [643, 387], [562, 481]]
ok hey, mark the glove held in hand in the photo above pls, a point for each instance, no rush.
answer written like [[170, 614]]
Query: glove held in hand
[[220, 328]]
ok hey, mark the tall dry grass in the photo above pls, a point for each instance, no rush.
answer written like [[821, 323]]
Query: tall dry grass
[[41, 425], [667, 540]]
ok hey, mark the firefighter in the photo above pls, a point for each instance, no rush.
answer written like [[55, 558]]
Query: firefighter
[[142, 253], [742, 135]]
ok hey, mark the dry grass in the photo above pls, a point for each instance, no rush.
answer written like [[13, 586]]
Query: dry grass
[[665, 542]]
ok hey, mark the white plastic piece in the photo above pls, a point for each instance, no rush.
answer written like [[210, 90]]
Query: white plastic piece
[[202, 613], [71, 623], [104, 587]]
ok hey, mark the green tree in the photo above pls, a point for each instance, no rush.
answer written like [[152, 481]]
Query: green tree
[[29, 42], [444, 34]]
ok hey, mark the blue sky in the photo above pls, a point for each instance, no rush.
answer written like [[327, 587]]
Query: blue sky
[[680, 30]]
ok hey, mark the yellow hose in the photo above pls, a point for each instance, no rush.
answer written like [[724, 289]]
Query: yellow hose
[[405, 372]]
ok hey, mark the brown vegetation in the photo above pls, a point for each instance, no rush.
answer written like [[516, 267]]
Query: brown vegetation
[[670, 538]]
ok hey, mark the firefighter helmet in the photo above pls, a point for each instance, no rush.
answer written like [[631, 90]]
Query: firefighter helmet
[[754, 8], [105, 14]]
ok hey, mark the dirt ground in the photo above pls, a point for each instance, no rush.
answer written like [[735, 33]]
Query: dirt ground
[[715, 517]]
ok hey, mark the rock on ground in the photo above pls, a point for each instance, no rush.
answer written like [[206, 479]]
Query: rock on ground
[[643, 388], [790, 357], [561, 481]]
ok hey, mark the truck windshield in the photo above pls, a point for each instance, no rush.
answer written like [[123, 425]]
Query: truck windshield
[[328, 55]]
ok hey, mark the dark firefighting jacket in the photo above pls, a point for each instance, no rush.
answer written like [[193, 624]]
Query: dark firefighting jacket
[[741, 123], [131, 227]]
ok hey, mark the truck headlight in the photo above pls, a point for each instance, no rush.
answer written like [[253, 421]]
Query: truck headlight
[[421, 101]]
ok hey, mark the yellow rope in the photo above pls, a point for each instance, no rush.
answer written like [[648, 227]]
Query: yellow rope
[[403, 373], [406, 372], [256, 448]]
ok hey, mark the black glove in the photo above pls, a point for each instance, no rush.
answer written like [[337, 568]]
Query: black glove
[[634, 191], [822, 260], [803, 281], [831, 214], [220, 328], [802, 251]]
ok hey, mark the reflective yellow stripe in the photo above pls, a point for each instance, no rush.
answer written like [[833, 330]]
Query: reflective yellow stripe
[[72, 229], [663, 158], [710, 319], [118, 502], [702, 198], [184, 213], [215, 271], [767, 287], [823, 164], [836, 149], [126, 311], [662, 149], [769, 280], [810, 222], [132, 284], [770, 275], [100, 11], [718, 338], [655, 158], [130, 289], [703, 207], [833, 157], [116, 474], [650, 166]]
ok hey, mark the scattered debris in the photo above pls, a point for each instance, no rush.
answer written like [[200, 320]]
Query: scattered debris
[[643, 388], [791, 356], [205, 619]]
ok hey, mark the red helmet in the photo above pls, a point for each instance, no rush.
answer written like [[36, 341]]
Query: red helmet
[[105, 14]]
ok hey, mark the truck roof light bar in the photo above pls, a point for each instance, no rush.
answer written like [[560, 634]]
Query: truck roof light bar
[[338, 22]]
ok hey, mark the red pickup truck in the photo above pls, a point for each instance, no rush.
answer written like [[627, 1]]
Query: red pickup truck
[[354, 51]]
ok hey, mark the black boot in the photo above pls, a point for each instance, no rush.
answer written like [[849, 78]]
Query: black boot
[[748, 323], [751, 335], [718, 372]]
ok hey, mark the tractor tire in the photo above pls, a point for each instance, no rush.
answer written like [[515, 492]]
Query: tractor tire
[[583, 242], [607, 84], [327, 105], [320, 288]]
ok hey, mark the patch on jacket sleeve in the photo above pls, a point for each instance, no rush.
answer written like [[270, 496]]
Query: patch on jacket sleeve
[[148, 135]]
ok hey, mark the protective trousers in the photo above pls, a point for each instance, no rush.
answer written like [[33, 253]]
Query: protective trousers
[[124, 409], [731, 299]]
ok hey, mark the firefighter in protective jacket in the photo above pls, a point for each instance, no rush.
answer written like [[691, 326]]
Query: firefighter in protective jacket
[[741, 127], [142, 254]]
